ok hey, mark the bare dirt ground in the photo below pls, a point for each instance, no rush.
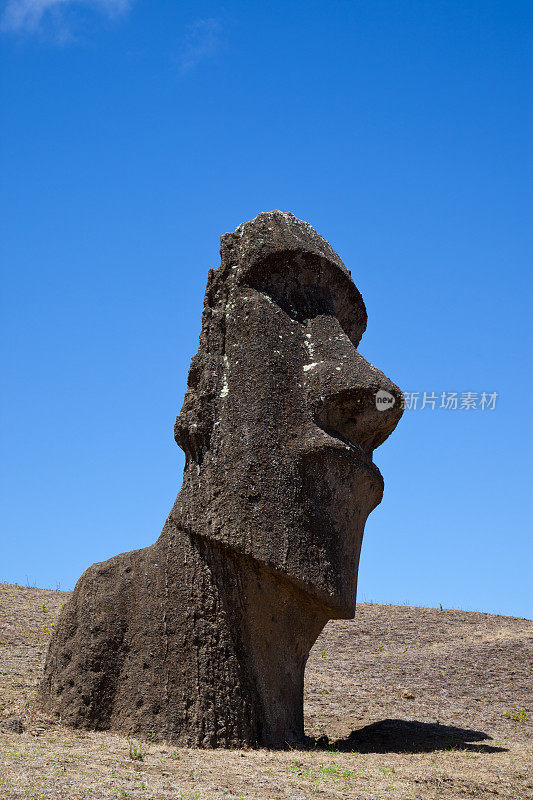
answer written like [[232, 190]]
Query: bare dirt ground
[[416, 703]]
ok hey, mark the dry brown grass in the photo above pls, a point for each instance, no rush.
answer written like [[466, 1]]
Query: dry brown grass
[[439, 703]]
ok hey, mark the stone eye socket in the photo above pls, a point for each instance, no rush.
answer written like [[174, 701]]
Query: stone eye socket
[[302, 302], [306, 287]]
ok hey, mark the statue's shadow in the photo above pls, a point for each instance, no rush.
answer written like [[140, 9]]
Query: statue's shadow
[[406, 736]]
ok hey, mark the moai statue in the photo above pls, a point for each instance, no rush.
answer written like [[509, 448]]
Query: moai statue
[[202, 638]]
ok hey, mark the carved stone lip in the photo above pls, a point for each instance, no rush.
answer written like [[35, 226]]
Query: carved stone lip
[[355, 452]]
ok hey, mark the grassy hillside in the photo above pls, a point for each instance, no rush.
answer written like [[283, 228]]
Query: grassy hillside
[[403, 703]]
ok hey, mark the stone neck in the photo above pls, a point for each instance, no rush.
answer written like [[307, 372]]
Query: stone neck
[[253, 631]]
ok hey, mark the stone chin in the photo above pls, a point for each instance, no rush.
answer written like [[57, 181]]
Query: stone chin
[[342, 492]]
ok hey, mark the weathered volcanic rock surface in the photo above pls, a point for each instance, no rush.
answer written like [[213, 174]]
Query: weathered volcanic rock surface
[[203, 637]]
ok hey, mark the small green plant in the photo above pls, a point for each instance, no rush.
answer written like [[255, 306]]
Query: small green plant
[[517, 716], [323, 772], [136, 753], [333, 770], [44, 608]]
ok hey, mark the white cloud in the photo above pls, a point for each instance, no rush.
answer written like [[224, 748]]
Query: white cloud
[[29, 15], [202, 41]]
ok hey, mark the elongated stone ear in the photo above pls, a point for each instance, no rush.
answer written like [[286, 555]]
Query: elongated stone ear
[[195, 422]]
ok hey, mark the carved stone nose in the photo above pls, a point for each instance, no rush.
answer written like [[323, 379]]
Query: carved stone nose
[[354, 414], [348, 396]]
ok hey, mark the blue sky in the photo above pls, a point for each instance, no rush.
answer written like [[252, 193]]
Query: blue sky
[[135, 133]]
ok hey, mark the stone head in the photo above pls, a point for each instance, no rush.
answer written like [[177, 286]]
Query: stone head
[[280, 419]]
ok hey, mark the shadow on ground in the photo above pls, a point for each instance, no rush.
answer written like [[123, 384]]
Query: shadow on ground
[[404, 736]]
